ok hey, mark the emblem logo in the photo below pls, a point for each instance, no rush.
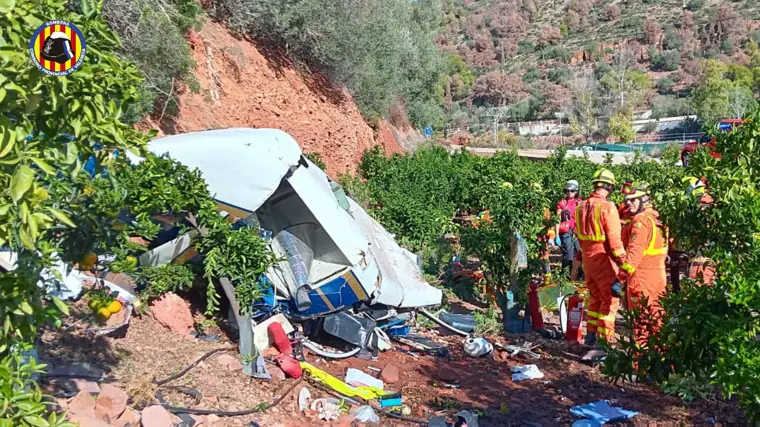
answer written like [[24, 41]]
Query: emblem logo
[[57, 48]]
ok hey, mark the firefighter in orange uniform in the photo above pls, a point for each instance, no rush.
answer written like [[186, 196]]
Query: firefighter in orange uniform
[[598, 229], [625, 214], [643, 268], [701, 268]]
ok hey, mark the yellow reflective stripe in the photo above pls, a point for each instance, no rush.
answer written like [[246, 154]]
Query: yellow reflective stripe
[[598, 222], [593, 314], [628, 268], [591, 322], [651, 250], [597, 236], [619, 253], [607, 318], [606, 331]]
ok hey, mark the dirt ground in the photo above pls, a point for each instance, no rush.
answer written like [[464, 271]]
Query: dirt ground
[[149, 351]]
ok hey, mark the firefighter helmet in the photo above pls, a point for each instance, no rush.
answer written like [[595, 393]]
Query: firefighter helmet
[[638, 190], [693, 186], [603, 176]]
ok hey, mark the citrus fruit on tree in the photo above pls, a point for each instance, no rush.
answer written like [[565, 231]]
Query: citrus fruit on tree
[[114, 307], [103, 314], [94, 305]]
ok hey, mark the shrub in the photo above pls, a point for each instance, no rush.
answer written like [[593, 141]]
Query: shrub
[[665, 84], [671, 41], [670, 60], [600, 69], [695, 5], [557, 52], [611, 12], [524, 46], [381, 50], [558, 75], [152, 35], [728, 47], [531, 75], [670, 106]]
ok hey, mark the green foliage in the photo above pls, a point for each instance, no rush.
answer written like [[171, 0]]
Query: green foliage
[[488, 323], [710, 100], [695, 5], [670, 60], [531, 75], [162, 279], [621, 126], [23, 403], [48, 125], [239, 255], [709, 333], [381, 50], [665, 84], [316, 158], [524, 46], [152, 32], [670, 106], [558, 75], [557, 52]]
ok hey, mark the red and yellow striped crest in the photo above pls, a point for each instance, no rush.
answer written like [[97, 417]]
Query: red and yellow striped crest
[[57, 48]]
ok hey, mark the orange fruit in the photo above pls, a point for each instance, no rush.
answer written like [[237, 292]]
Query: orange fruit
[[114, 307], [103, 314]]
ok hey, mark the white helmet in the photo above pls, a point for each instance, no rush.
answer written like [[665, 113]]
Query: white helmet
[[572, 185]]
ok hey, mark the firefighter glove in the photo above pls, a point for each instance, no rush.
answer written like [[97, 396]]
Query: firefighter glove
[[557, 241], [618, 289]]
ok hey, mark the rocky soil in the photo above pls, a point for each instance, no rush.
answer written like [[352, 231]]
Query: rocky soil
[[430, 385], [242, 85]]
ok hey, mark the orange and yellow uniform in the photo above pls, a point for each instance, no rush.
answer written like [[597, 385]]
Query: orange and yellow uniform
[[643, 268], [599, 233]]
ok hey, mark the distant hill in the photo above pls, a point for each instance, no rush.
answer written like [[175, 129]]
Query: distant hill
[[526, 54]]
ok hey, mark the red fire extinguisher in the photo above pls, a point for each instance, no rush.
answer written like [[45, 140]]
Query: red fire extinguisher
[[534, 306], [574, 318]]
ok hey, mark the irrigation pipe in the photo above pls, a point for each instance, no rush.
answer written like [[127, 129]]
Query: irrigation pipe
[[191, 366], [259, 408]]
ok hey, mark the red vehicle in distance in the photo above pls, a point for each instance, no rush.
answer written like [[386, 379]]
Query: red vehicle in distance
[[725, 125]]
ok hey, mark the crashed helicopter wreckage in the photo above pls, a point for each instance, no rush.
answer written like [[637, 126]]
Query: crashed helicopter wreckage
[[341, 274]]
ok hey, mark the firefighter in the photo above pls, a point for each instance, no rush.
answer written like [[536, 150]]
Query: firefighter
[[642, 273], [701, 268], [598, 228], [565, 228], [546, 239], [625, 215]]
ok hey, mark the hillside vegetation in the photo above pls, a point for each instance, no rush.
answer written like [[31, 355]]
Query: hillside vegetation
[[592, 58], [444, 63]]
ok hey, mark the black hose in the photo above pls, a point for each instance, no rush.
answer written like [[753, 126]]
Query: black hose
[[403, 418], [191, 366], [259, 408]]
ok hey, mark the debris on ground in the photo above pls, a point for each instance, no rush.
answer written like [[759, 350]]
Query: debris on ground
[[365, 414], [477, 347], [327, 409], [602, 412], [527, 372], [357, 378]]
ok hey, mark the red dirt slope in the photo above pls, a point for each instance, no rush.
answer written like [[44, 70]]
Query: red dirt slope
[[242, 85]]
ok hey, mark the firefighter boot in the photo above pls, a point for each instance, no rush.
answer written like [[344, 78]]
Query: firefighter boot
[[590, 339]]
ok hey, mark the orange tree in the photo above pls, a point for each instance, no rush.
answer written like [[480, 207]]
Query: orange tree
[[711, 334], [51, 209]]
